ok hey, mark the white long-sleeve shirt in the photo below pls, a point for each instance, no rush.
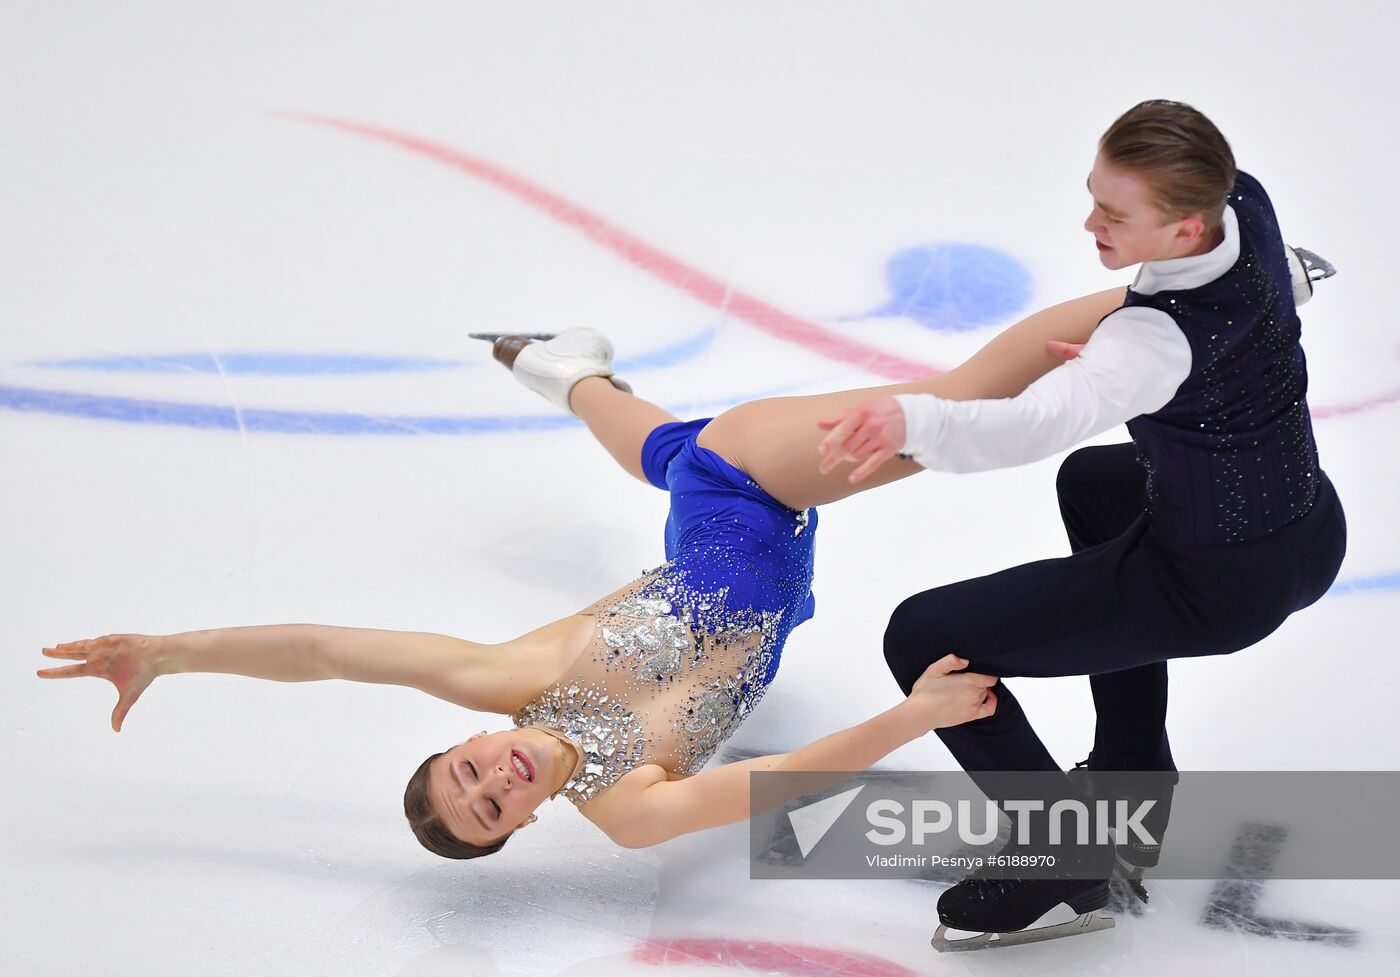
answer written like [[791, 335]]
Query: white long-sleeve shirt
[[1132, 365]]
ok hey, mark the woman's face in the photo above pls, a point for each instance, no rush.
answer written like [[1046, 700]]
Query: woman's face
[[487, 787], [1128, 227]]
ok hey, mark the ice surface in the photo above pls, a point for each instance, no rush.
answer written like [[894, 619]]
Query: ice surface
[[192, 275]]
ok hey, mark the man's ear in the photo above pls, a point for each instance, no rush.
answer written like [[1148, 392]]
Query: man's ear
[[1191, 229]]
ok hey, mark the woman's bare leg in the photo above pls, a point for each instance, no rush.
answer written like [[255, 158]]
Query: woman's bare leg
[[775, 441], [619, 420]]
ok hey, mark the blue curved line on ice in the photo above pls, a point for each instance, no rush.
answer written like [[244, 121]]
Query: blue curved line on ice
[[265, 363], [131, 410], [273, 363], [1385, 581], [672, 355]]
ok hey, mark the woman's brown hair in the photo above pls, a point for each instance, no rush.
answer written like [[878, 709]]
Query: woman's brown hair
[[428, 827], [1179, 152]]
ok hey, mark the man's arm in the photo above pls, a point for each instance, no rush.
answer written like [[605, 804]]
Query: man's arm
[[1132, 365], [873, 432]]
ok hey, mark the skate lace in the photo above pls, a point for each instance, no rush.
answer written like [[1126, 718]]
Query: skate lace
[[991, 888]]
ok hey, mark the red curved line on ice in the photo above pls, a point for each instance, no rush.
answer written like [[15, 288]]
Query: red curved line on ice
[[652, 260], [1341, 410], [694, 282], [793, 959]]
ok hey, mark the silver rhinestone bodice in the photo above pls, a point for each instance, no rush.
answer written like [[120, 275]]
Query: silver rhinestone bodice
[[670, 673]]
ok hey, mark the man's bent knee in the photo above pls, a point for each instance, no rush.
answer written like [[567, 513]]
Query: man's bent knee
[[911, 645]]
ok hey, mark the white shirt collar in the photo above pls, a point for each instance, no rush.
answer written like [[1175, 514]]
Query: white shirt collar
[[1193, 271]]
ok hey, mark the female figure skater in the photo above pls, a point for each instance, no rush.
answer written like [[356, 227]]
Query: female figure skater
[[618, 706], [1197, 538]]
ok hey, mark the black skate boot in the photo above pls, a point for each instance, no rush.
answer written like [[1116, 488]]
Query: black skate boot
[[1134, 857], [1001, 909]]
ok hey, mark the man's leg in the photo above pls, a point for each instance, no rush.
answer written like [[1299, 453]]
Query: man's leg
[[1101, 490], [1052, 617], [1110, 607], [1054, 613]]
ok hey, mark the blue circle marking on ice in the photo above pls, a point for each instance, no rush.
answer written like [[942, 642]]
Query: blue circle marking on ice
[[953, 287]]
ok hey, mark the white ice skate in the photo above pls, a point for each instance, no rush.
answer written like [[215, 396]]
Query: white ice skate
[[1306, 267], [550, 365]]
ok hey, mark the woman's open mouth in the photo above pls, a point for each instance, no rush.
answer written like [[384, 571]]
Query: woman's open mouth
[[522, 767]]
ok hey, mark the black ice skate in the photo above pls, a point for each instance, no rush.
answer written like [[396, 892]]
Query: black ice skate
[[1133, 858], [1001, 910]]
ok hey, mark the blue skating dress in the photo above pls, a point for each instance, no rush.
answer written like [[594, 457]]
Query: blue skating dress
[[681, 657]]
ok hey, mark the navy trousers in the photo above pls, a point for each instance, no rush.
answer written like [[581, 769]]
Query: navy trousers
[[1124, 602]]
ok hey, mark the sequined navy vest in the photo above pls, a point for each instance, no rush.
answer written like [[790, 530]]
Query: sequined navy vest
[[1231, 457]]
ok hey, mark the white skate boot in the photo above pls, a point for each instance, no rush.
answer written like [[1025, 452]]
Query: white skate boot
[[551, 365], [1306, 267]]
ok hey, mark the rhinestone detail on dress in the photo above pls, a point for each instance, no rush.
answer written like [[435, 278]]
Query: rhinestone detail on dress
[[671, 673]]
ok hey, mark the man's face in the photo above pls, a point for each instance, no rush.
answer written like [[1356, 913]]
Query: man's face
[[1128, 227]]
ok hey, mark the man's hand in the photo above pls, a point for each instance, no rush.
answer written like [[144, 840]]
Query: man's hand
[[871, 433], [1065, 351]]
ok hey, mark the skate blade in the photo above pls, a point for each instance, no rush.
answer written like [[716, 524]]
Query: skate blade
[[491, 337], [1085, 923], [1316, 266], [1133, 876]]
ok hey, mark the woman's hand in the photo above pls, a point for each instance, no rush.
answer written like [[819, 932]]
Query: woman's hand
[[129, 661], [944, 696], [871, 433]]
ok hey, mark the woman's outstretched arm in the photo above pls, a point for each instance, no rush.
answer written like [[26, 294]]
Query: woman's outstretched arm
[[649, 811], [459, 671]]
